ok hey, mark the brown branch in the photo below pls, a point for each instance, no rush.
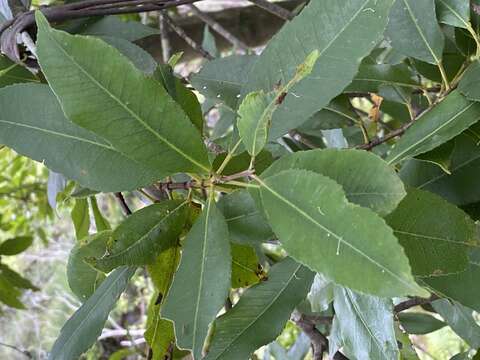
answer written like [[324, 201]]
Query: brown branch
[[23, 352], [123, 203], [181, 33], [216, 26], [274, 9], [378, 141], [416, 301]]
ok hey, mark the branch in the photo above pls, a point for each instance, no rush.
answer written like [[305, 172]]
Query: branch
[[378, 141], [123, 204], [274, 9], [24, 352], [413, 302]]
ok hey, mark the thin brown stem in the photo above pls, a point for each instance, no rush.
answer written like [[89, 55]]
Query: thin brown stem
[[274, 9], [123, 203]]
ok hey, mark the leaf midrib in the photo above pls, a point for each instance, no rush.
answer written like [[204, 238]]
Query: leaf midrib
[[124, 106], [407, 233]]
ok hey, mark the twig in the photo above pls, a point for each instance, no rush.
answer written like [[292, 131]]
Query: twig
[[218, 28], [164, 40], [274, 9], [24, 352], [181, 33], [123, 204], [378, 141], [414, 302]]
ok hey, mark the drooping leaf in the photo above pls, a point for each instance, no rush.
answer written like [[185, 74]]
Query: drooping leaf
[[419, 323], [246, 225], [93, 87], [435, 127], [222, 79], [15, 245], [140, 58], [381, 193], [16, 279], [12, 73], [55, 185], [325, 26], [82, 278], [460, 186], [144, 235], [41, 132], [366, 325], [260, 315], [246, 269], [414, 30], [454, 12], [200, 286], [82, 329], [321, 293], [460, 319], [9, 295], [435, 234], [256, 110], [101, 223], [81, 218], [349, 244]]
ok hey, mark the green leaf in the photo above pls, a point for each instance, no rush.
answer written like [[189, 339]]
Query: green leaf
[[41, 132], [139, 57], [12, 73], [86, 324], [261, 314], [371, 77], [460, 187], [256, 110], [321, 293], [144, 235], [381, 192], [101, 223], [9, 295], [454, 12], [81, 218], [325, 26], [93, 87], [460, 319], [16, 279], [468, 86], [349, 244], [419, 323], [82, 278], [201, 284], [440, 156], [246, 268], [15, 245], [435, 127], [209, 43], [434, 233], [222, 79], [246, 224], [414, 30], [366, 324]]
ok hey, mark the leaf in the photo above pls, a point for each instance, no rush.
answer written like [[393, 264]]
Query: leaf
[[468, 85], [419, 323], [15, 245], [144, 235], [101, 223], [9, 295], [246, 268], [110, 26], [435, 127], [326, 26], [222, 79], [454, 12], [81, 218], [261, 313], [201, 284], [371, 77], [82, 278], [41, 132], [460, 319], [366, 324], [460, 187], [321, 293], [12, 73], [347, 243], [55, 185], [434, 233], [256, 110], [172, 144], [208, 42], [440, 156], [86, 324], [140, 58], [16, 279], [381, 193], [414, 30], [246, 225]]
